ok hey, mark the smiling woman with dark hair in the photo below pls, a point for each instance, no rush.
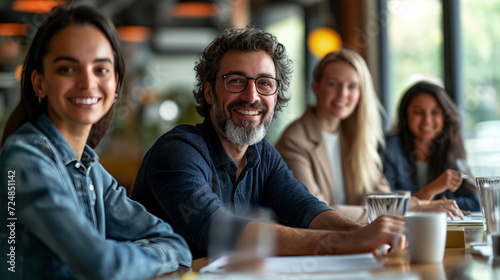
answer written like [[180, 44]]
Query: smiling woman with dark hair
[[425, 151], [72, 220]]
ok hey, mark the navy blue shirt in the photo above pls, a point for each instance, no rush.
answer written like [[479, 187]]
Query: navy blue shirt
[[188, 179]]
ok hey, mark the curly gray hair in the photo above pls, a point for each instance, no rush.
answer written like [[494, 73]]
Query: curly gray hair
[[249, 39]]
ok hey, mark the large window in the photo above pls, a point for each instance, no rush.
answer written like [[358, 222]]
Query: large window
[[286, 22], [481, 73], [415, 46], [416, 51]]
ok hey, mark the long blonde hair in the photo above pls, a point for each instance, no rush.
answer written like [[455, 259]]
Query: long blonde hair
[[363, 128]]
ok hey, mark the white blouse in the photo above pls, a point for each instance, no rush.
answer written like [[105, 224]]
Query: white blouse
[[332, 141]]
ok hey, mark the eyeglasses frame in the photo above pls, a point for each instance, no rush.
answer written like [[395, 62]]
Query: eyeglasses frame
[[255, 82]]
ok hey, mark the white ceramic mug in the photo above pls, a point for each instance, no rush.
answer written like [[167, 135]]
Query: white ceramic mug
[[426, 235]]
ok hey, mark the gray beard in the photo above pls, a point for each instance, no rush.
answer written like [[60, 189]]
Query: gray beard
[[241, 135]]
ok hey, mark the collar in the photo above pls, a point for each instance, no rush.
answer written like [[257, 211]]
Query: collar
[[219, 154], [60, 144], [313, 128]]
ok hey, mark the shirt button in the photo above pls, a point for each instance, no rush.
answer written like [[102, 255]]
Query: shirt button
[[77, 165], [91, 187]]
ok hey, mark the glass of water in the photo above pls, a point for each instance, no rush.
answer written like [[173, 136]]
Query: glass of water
[[394, 203], [485, 195], [242, 250]]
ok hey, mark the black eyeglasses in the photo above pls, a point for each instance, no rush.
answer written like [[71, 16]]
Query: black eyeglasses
[[236, 83]]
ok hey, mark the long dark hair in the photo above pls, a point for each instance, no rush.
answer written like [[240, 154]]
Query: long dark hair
[[448, 146], [29, 107]]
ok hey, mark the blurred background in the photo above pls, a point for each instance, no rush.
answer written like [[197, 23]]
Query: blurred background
[[452, 42]]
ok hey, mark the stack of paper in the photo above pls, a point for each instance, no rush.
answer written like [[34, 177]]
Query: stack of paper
[[484, 250], [474, 219], [308, 264], [355, 266], [323, 276]]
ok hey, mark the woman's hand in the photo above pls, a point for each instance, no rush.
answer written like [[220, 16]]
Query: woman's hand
[[448, 180], [449, 207]]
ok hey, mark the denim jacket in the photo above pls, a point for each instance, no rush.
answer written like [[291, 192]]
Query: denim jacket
[[68, 218], [400, 174]]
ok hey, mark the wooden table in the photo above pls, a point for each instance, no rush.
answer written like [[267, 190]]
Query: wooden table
[[458, 263]]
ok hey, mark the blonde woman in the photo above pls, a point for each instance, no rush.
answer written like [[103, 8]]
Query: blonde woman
[[333, 148]]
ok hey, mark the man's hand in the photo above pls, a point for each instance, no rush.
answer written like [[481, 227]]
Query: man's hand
[[366, 239], [371, 237]]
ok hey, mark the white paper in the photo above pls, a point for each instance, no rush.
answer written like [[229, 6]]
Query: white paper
[[308, 264], [484, 250], [312, 276], [475, 218]]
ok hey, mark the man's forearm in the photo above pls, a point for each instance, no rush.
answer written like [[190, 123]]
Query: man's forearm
[[332, 220], [294, 241], [346, 237], [326, 235]]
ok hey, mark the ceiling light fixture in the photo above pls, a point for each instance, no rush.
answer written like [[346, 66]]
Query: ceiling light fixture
[[36, 6], [323, 40], [194, 9], [13, 29], [132, 33]]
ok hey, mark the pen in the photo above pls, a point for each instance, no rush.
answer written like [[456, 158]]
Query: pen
[[468, 179]]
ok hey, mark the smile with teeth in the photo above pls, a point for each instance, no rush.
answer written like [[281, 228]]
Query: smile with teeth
[[247, 112], [427, 128], [339, 104], [85, 101]]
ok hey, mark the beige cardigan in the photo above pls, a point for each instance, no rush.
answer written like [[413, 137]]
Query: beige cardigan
[[304, 151]]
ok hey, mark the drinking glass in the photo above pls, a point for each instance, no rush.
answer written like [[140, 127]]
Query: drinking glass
[[484, 200], [395, 203], [490, 203], [244, 251]]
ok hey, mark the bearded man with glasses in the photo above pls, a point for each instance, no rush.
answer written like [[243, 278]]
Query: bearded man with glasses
[[196, 176]]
